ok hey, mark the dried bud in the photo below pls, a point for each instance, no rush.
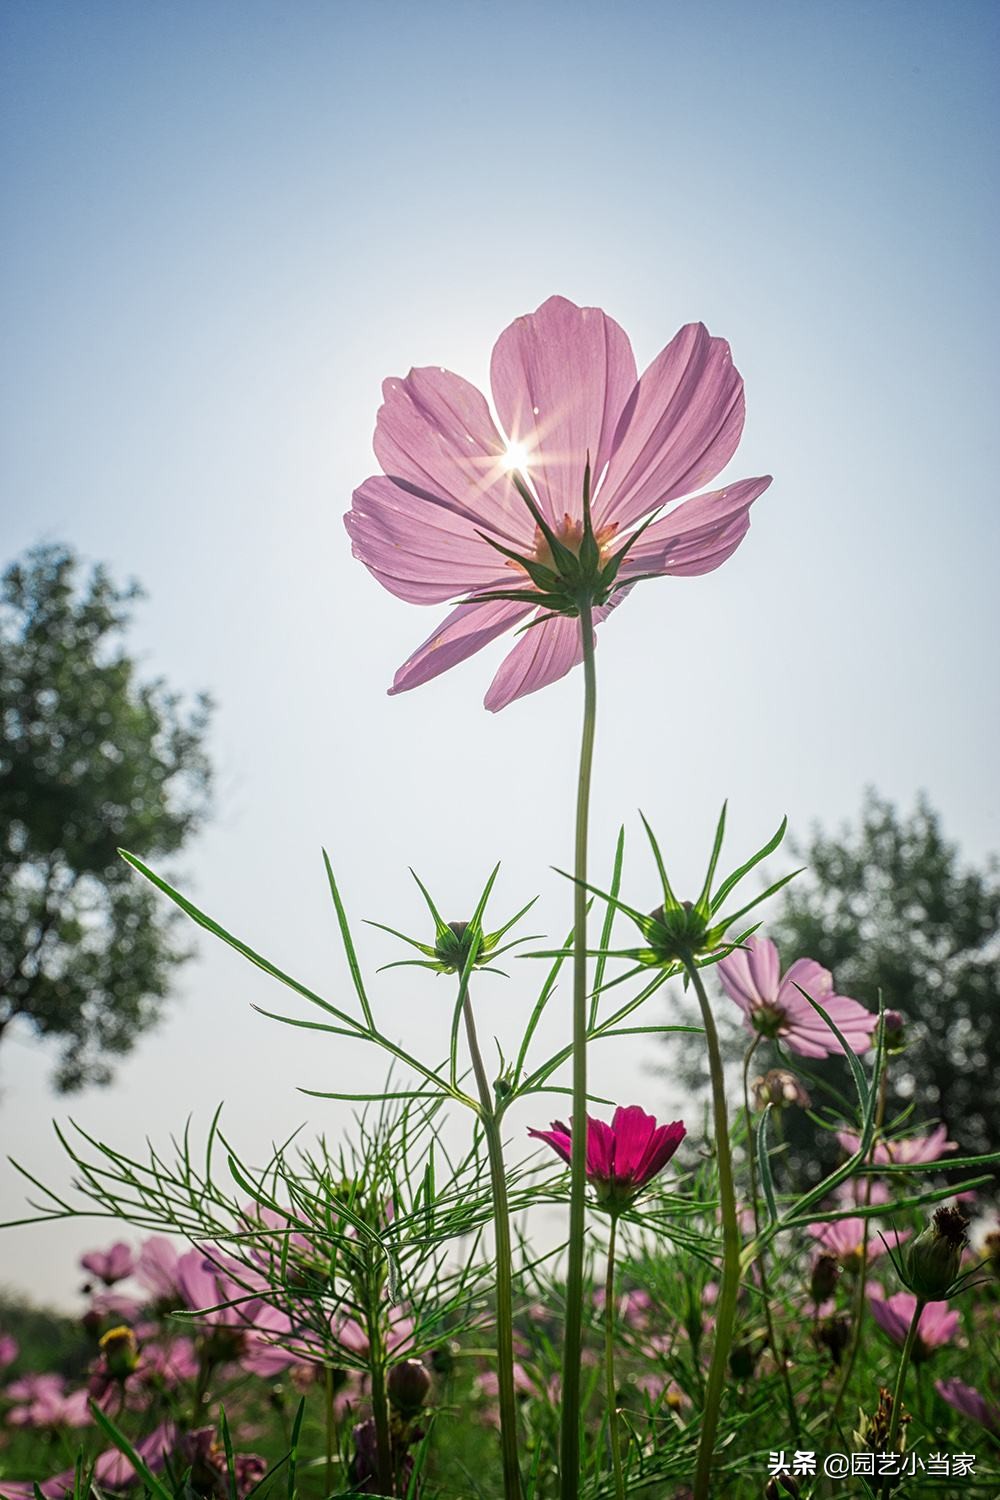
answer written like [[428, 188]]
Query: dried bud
[[873, 1432], [991, 1251], [408, 1386], [833, 1335], [120, 1350], [824, 1278], [743, 1358], [779, 1088], [934, 1258]]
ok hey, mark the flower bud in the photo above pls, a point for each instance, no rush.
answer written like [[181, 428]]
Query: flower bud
[[824, 1278], [408, 1386], [833, 1335], [779, 1088], [894, 1025], [934, 1258], [121, 1353], [780, 1485]]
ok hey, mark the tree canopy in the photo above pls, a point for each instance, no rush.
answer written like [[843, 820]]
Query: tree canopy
[[91, 758]]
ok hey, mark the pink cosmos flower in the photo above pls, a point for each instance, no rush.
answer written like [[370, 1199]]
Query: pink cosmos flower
[[893, 1314], [156, 1268], [446, 513], [967, 1400], [109, 1265], [773, 1005], [621, 1157], [916, 1148], [9, 1350], [844, 1238]]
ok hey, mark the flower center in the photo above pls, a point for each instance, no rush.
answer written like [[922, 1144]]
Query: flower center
[[570, 533], [769, 1020]]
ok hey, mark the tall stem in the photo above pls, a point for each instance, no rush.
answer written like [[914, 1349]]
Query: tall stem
[[609, 1365], [376, 1364], [504, 1272], [765, 1291], [862, 1276], [897, 1395], [725, 1312], [569, 1447]]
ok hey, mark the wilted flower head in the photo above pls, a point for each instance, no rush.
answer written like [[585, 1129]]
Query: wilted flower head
[[823, 1278], [110, 1265], [932, 1262], [873, 1432], [894, 1314], [773, 1004], [967, 1400], [621, 1157], [531, 522], [833, 1334], [779, 1088]]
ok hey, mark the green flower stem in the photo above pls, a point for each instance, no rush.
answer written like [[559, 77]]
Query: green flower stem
[[897, 1395], [328, 1395], [858, 1309], [725, 1313], [376, 1368], [569, 1445], [504, 1256], [765, 1290], [609, 1365]]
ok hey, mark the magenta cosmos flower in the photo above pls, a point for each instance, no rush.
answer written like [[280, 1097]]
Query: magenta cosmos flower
[[774, 1006], [893, 1315], [467, 507], [621, 1157]]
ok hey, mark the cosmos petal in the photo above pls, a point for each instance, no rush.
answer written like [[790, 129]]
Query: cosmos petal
[[466, 630], [561, 377], [680, 428], [434, 435]]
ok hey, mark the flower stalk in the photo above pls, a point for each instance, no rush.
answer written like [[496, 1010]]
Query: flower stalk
[[726, 1306], [504, 1273], [897, 1395], [777, 1352], [609, 1365], [570, 1430]]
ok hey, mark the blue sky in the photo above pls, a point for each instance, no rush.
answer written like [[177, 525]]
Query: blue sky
[[226, 224]]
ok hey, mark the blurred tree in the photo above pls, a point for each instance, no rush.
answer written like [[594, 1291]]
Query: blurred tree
[[90, 759], [889, 906]]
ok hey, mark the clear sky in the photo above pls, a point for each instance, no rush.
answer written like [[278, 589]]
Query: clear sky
[[225, 224]]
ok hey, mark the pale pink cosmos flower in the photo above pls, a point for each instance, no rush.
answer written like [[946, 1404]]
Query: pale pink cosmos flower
[[844, 1239], [916, 1148], [110, 1265], [937, 1326], [566, 388], [773, 1004], [156, 1267], [9, 1350], [621, 1157]]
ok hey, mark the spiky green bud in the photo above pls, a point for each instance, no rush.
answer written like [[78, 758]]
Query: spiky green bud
[[933, 1260]]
